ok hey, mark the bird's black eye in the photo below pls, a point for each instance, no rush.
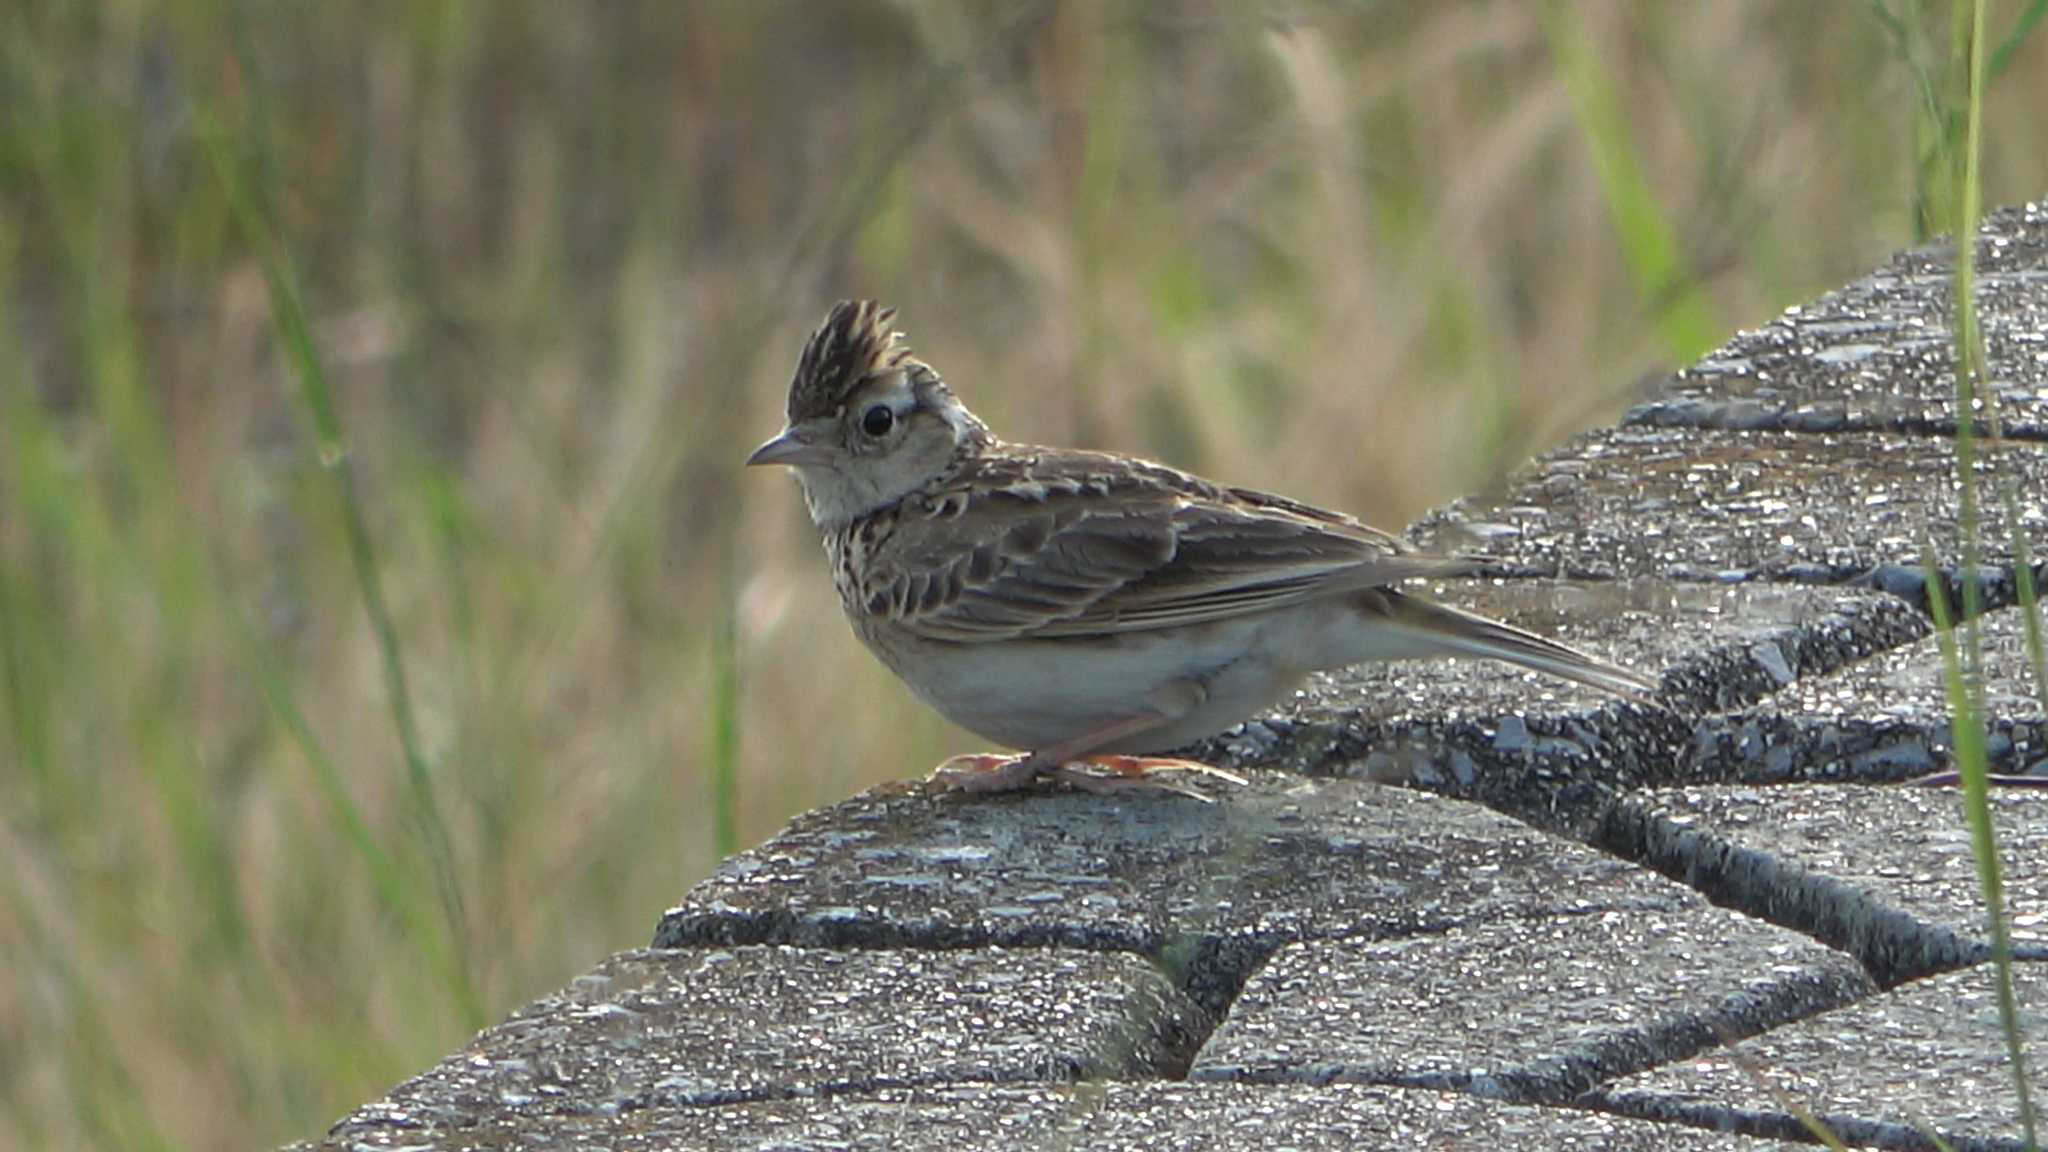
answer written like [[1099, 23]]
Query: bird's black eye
[[877, 420]]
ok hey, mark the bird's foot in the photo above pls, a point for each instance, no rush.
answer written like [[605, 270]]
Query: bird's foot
[[1111, 774], [1103, 775], [987, 772]]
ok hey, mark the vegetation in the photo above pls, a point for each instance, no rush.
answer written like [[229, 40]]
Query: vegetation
[[1960, 151], [386, 629]]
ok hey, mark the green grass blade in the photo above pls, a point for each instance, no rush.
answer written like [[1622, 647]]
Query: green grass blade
[[388, 877], [725, 715], [2015, 39], [1964, 676], [1684, 319], [1934, 128], [295, 334]]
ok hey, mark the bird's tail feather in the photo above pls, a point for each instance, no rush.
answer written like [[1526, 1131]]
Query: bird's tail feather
[[1455, 633]]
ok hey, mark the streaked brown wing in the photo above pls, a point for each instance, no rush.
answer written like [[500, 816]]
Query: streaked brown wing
[[1067, 544]]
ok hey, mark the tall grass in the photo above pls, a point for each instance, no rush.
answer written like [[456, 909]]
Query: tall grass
[[1663, 280], [386, 628], [1964, 669], [250, 200]]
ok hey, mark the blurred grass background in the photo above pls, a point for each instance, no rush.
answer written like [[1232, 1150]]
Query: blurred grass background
[[363, 677]]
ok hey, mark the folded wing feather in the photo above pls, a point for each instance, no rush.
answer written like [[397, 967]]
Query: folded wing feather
[[1058, 557]]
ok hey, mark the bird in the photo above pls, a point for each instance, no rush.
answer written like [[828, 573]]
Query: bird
[[1089, 609]]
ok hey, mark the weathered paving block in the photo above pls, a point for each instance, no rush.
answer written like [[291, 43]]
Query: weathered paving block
[[1527, 1012], [1552, 752], [1928, 1054], [1875, 356], [1097, 1117], [1209, 889], [1884, 873], [1884, 719], [1714, 505], [655, 1029], [2010, 239]]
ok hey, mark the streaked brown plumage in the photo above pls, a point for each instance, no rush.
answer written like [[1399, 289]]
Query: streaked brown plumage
[[1075, 603]]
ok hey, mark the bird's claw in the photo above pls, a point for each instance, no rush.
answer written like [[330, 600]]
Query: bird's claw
[[1102, 775]]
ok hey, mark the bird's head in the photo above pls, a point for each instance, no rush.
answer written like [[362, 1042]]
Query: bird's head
[[868, 423]]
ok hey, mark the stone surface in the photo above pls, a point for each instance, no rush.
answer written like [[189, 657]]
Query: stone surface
[[1712, 505], [1155, 1117], [1523, 1011], [1929, 1054], [657, 1029], [1549, 751], [1208, 889], [2013, 238], [1875, 356], [1885, 874], [1884, 719]]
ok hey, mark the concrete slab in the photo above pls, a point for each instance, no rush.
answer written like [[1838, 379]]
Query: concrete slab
[[2011, 239], [1155, 1117], [1528, 1012], [1884, 873], [1885, 719], [1720, 506], [1551, 752], [1875, 356], [1929, 1055], [655, 1029], [1209, 889]]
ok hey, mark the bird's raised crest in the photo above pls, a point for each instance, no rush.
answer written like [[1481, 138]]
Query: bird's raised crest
[[855, 343]]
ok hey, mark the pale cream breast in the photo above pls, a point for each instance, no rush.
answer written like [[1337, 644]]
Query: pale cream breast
[[1030, 694]]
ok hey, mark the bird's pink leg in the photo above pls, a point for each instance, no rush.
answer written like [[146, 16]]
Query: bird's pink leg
[[1107, 773], [991, 773], [986, 772], [1072, 762]]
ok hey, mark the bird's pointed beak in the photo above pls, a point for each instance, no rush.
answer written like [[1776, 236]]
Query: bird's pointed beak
[[787, 448]]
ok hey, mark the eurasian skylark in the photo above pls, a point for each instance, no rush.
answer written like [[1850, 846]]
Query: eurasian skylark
[[1086, 606]]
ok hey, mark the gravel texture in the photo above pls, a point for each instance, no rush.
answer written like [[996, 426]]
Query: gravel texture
[[1549, 751], [1721, 506], [1926, 1057], [1524, 1011], [1875, 355], [1209, 890], [1885, 719], [1154, 1117], [1885, 874], [700, 1027]]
